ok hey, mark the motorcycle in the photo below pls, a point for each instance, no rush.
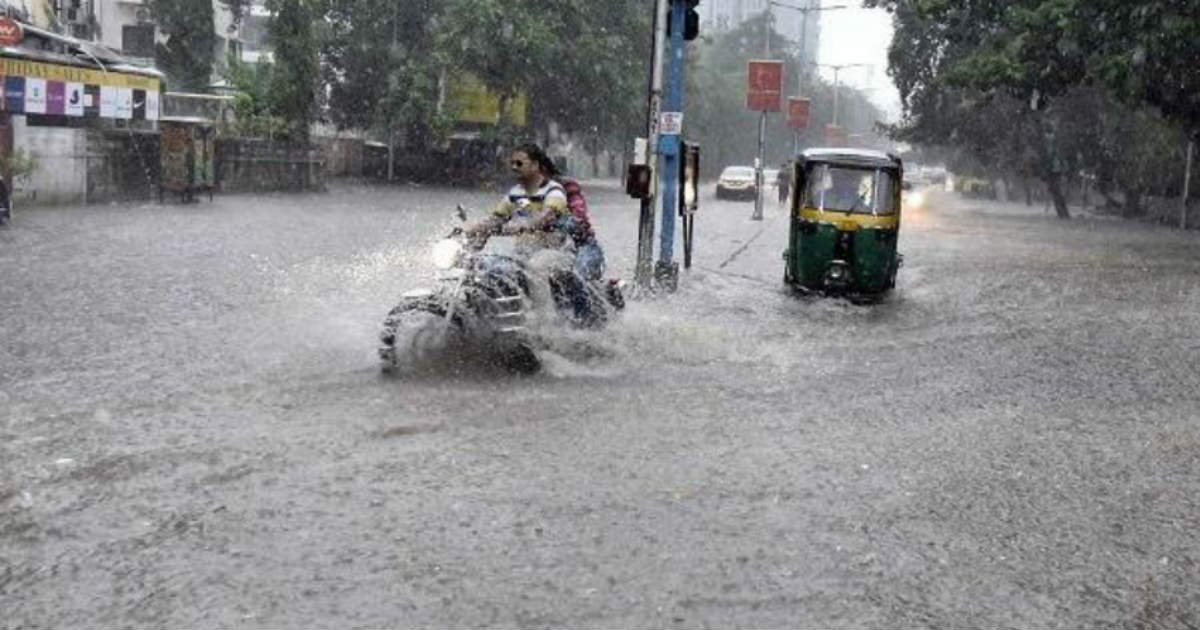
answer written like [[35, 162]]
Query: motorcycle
[[488, 293]]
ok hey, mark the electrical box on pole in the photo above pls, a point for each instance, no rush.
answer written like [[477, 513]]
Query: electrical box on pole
[[689, 197]]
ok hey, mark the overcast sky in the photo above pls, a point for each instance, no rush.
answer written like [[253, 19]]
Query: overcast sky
[[857, 35]]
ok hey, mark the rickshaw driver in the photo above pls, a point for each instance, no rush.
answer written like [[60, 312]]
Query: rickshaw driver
[[846, 190]]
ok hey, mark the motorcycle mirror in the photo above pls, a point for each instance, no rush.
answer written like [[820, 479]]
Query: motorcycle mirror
[[460, 212]]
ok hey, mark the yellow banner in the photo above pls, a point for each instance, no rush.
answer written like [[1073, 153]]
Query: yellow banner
[[71, 74], [471, 101]]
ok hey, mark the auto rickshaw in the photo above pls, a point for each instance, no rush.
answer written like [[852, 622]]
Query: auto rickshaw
[[845, 221]]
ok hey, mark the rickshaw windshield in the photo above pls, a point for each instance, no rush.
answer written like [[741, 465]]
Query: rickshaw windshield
[[850, 189]]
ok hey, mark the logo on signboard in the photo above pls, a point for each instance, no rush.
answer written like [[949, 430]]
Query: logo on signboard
[[764, 85], [11, 32], [798, 113]]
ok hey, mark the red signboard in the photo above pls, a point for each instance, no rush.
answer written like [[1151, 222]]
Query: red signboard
[[835, 136], [798, 113], [764, 87], [10, 32]]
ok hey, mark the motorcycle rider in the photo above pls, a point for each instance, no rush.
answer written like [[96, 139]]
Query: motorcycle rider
[[536, 202], [536, 211]]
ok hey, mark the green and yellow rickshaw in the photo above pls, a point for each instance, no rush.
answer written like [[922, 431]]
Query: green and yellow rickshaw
[[845, 222]]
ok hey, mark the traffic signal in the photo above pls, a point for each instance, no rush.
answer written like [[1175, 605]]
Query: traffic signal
[[691, 20]]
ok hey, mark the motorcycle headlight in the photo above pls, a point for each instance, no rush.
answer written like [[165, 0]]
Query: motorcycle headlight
[[446, 253]]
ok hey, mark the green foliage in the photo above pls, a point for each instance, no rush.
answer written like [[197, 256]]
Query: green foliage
[[253, 104], [381, 68], [294, 78], [582, 63], [1013, 84], [187, 55], [1145, 52], [18, 166]]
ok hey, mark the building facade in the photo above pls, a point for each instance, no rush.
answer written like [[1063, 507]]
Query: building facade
[[61, 94]]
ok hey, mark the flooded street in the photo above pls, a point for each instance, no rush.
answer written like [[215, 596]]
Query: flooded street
[[194, 430]]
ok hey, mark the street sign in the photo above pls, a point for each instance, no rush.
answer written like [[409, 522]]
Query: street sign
[[670, 124], [764, 85], [798, 112], [835, 136], [11, 32]]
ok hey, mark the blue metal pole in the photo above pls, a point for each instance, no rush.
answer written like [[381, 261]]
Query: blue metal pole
[[669, 145]]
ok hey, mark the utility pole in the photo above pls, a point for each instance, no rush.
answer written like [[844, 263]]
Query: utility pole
[[675, 23], [666, 272], [768, 18], [837, 68], [645, 258], [800, 71]]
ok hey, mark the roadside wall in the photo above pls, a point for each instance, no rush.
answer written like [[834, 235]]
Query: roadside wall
[[61, 153], [343, 156], [262, 165], [122, 165]]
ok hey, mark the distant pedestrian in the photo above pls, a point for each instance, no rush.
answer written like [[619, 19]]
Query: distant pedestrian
[[783, 182], [5, 203]]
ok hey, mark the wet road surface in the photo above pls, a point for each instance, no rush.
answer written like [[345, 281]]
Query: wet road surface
[[194, 431]]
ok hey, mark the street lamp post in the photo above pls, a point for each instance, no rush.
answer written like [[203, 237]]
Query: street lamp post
[[837, 85], [800, 71], [804, 11]]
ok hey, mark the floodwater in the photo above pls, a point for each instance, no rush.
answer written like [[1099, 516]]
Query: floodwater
[[194, 430]]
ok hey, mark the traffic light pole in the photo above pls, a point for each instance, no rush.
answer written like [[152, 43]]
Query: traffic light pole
[[645, 258], [666, 272]]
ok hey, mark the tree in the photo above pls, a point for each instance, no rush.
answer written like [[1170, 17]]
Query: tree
[[953, 62], [1145, 52], [717, 116], [581, 62], [382, 70], [294, 79], [253, 103], [187, 55], [237, 8]]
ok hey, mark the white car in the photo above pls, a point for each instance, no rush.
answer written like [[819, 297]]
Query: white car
[[736, 181]]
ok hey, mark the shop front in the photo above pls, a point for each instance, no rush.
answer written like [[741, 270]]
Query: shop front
[[56, 92]]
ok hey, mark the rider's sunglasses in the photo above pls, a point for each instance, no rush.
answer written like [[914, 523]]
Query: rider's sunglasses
[[517, 163]]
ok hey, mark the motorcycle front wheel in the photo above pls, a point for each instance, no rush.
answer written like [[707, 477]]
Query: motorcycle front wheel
[[411, 336]]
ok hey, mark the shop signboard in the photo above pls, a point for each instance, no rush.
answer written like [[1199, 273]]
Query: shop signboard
[[34, 87], [73, 105], [35, 96]]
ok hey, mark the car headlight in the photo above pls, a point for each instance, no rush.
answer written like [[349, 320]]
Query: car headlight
[[915, 199], [446, 253]]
